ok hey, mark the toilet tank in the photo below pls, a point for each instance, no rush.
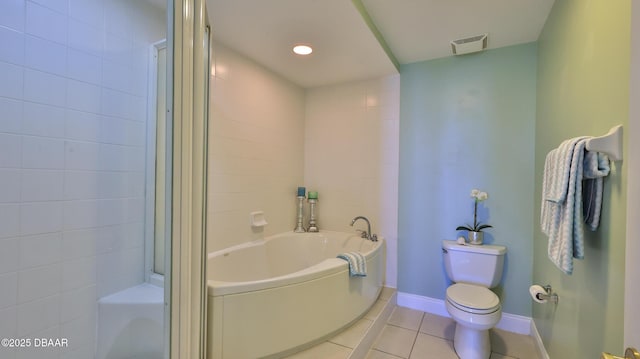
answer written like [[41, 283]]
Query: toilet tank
[[481, 265]]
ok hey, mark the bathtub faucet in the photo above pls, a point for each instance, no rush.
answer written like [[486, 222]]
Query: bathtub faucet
[[366, 234]]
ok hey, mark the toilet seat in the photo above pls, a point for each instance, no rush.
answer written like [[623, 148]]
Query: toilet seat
[[473, 298]]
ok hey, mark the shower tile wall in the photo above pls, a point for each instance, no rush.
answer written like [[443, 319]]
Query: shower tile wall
[[256, 149], [73, 106], [351, 157]]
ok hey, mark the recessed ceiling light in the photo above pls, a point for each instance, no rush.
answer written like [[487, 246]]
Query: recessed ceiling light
[[302, 49]]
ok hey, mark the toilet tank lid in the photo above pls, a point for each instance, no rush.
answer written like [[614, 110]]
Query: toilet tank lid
[[484, 248]]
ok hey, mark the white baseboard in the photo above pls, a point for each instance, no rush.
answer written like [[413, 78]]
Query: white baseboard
[[537, 340], [425, 304], [509, 322], [515, 323]]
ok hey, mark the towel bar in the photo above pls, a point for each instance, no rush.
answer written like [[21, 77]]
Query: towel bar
[[610, 144]]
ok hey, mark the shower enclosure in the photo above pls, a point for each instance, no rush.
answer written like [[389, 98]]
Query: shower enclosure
[[87, 177]]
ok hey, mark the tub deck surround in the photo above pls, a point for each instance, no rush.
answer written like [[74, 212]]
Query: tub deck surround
[[276, 296], [282, 259]]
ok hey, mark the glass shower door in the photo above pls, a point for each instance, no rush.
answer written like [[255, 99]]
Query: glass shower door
[[74, 113]]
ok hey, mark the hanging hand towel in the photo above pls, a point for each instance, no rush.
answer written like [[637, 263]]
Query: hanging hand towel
[[596, 166], [357, 263], [561, 213]]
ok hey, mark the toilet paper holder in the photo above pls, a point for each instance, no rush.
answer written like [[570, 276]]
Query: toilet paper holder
[[550, 296]]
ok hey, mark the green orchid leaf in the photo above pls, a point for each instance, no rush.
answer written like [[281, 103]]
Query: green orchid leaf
[[483, 226]]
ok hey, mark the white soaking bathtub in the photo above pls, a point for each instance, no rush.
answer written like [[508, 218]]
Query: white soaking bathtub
[[276, 296]]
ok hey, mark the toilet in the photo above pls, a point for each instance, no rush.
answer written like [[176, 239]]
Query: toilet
[[474, 308]]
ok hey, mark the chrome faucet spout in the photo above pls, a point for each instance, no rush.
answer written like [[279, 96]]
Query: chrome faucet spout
[[365, 234]]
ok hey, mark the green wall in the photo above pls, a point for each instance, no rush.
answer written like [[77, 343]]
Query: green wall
[[583, 81], [467, 122]]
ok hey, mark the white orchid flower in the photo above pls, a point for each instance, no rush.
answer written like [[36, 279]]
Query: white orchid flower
[[477, 196]]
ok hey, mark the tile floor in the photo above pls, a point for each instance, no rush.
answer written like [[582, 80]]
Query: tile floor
[[417, 335], [343, 344], [412, 334]]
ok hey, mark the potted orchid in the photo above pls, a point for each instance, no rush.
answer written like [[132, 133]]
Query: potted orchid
[[475, 232]]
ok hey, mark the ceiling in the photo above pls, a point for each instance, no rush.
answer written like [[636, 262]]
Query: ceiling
[[346, 49]]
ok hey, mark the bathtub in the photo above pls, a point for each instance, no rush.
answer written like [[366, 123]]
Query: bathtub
[[273, 297]]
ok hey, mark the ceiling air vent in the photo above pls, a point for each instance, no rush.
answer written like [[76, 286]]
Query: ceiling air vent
[[469, 44]]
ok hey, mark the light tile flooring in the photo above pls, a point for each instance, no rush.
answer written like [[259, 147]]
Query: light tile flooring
[[342, 345], [417, 335], [413, 334]]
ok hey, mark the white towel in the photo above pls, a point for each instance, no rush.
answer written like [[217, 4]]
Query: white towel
[[357, 263], [561, 214]]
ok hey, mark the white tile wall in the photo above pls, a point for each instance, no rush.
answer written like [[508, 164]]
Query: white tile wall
[[12, 14], [9, 185], [10, 121], [57, 5], [10, 150], [7, 296], [85, 97], [351, 157], [10, 222], [43, 120], [45, 55], [40, 250], [8, 321], [42, 185], [72, 149], [88, 11], [84, 66], [82, 37], [37, 315], [42, 152], [39, 282], [256, 149], [46, 23], [13, 49], [44, 88], [40, 217], [78, 244], [82, 126], [12, 84]]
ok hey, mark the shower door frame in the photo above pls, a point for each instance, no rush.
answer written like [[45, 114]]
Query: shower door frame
[[151, 276], [187, 83]]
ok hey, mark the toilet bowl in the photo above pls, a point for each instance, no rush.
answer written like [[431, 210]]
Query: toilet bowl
[[469, 301], [475, 310]]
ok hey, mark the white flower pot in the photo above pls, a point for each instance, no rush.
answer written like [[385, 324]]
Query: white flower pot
[[475, 237]]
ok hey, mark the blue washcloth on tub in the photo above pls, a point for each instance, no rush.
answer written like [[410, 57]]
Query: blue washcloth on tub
[[357, 263]]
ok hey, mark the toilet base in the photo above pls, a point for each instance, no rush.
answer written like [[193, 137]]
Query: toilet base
[[472, 343]]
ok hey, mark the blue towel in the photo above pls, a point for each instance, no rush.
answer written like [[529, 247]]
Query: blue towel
[[596, 166], [357, 263], [561, 216], [561, 192]]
